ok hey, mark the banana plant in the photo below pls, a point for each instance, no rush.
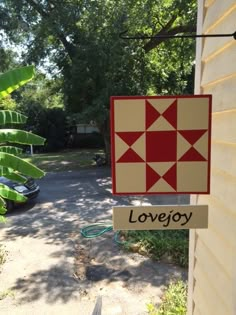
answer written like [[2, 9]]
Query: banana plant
[[12, 166]]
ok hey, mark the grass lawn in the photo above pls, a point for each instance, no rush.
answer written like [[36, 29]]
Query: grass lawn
[[169, 245], [67, 160]]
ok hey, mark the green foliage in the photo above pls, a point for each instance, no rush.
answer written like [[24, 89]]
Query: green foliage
[[8, 103], [7, 57], [92, 141], [43, 105], [43, 92], [171, 245], [15, 78], [49, 123], [7, 193], [8, 116], [11, 150], [78, 42], [16, 163], [174, 301], [20, 136], [80, 39], [67, 160], [12, 166], [12, 175]]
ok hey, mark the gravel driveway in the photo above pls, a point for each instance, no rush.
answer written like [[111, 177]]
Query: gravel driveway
[[51, 269]]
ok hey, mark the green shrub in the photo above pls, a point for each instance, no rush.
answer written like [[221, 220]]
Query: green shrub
[[171, 245], [174, 301]]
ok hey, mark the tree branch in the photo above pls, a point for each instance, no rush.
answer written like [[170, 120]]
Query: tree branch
[[153, 43], [70, 48]]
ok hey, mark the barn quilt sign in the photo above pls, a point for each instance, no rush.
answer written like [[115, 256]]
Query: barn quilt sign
[[161, 145]]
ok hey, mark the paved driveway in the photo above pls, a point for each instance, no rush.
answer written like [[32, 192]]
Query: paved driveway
[[45, 252]]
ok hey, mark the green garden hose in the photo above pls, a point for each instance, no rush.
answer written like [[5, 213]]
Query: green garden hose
[[97, 229]]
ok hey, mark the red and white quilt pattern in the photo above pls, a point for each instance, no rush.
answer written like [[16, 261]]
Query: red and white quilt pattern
[[161, 144]]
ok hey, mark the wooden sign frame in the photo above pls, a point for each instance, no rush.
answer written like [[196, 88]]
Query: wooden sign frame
[[161, 144], [160, 217]]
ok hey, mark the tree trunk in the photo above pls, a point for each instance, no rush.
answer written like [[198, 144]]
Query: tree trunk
[[107, 143], [105, 131]]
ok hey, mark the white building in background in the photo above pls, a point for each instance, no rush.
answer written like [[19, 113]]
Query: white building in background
[[86, 128]]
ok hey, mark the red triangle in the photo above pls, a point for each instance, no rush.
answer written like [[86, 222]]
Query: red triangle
[[129, 137], [192, 155], [170, 114], [130, 156], [171, 176], [151, 114], [192, 135], [151, 177]]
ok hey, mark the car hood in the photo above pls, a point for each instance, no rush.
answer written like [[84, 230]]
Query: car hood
[[5, 180], [8, 182]]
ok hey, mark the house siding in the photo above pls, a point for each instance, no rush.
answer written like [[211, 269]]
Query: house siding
[[212, 271]]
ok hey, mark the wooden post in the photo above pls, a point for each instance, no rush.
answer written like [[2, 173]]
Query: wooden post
[[31, 150], [98, 307]]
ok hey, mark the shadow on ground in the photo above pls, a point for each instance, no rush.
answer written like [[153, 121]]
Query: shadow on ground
[[68, 202], [54, 283]]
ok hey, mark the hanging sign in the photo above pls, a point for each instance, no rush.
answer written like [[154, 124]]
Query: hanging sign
[[161, 145], [160, 217]]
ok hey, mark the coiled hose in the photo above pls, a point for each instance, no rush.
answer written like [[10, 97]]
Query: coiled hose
[[97, 229]]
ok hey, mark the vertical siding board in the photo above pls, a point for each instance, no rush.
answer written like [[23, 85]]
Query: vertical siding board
[[215, 302], [212, 269], [197, 89], [222, 219], [224, 188], [192, 243], [200, 301], [224, 125], [208, 3], [234, 284], [223, 98], [196, 311], [226, 65], [214, 45], [217, 11], [208, 263], [222, 250], [224, 157]]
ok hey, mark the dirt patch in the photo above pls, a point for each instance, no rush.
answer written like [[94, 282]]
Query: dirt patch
[[128, 279]]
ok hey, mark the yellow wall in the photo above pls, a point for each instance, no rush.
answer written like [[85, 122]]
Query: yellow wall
[[212, 271]]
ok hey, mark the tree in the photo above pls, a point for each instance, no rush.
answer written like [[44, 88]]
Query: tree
[[81, 39], [42, 102], [11, 165]]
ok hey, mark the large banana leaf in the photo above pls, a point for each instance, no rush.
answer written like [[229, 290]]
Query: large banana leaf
[[11, 150], [3, 210], [11, 117], [20, 136], [19, 165], [15, 78], [16, 177], [8, 193], [2, 219], [12, 175]]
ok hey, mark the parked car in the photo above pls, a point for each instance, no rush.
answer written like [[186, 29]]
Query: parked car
[[29, 189]]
